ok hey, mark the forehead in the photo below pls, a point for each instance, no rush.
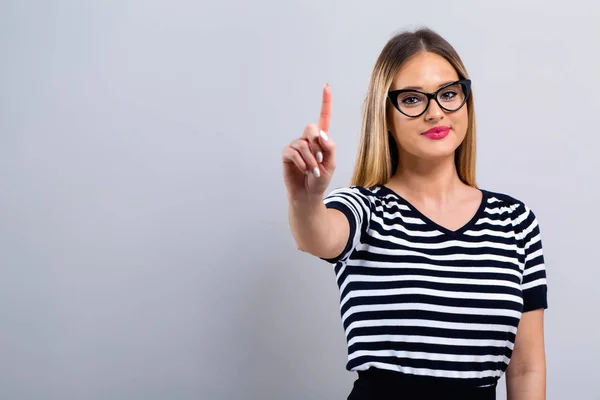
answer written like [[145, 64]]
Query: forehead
[[424, 70]]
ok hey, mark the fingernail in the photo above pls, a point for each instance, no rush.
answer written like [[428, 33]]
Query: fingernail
[[324, 136], [306, 172], [319, 157], [326, 84], [316, 172]]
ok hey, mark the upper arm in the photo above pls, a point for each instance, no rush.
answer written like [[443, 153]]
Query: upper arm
[[529, 350], [340, 233], [533, 285], [349, 213]]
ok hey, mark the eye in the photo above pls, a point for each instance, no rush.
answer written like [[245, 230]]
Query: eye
[[410, 100], [448, 95]]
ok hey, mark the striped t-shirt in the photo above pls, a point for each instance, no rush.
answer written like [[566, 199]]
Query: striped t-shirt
[[423, 300]]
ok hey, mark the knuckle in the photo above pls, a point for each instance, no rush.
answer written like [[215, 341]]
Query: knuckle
[[308, 129], [303, 145]]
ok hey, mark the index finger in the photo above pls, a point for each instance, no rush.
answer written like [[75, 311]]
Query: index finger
[[325, 116]]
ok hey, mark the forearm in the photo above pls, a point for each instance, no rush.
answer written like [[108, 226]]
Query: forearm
[[526, 386]]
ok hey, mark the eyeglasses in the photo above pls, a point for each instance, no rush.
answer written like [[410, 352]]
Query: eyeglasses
[[414, 103]]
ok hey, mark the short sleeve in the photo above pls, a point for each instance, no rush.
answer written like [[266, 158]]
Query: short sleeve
[[354, 202], [533, 285]]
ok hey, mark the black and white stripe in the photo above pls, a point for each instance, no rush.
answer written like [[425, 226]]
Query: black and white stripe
[[419, 299]]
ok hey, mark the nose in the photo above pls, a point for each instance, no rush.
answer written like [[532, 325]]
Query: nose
[[434, 112]]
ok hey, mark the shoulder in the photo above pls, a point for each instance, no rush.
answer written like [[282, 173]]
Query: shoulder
[[366, 193], [360, 198], [502, 199], [505, 204]]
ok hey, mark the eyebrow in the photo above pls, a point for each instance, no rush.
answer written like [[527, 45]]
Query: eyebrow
[[420, 88]]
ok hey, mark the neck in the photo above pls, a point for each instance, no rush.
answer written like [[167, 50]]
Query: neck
[[426, 179]]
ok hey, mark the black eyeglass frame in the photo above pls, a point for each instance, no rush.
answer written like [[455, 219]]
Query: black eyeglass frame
[[465, 83]]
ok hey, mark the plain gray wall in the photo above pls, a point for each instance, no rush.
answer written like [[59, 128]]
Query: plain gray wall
[[144, 245]]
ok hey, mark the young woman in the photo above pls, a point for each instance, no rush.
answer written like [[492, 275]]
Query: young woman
[[435, 274]]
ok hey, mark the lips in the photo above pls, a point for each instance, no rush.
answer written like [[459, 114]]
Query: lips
[[437, 132], [437, 129]]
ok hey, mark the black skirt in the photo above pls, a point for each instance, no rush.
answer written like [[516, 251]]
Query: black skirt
[[379, 384]]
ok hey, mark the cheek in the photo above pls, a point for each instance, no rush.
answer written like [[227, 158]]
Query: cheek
[[405, 127], [460, 121]]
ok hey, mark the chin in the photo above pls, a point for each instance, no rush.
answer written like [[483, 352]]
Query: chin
[[436, 155], [436, 150]]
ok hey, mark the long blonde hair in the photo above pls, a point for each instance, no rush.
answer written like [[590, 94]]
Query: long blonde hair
[[377, 156]]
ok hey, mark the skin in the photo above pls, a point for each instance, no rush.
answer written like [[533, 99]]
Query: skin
[[526, 373]]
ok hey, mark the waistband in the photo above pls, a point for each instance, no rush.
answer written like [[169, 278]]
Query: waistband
[[381, 384]]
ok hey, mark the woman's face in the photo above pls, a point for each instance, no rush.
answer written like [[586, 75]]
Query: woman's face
[[427, 72]]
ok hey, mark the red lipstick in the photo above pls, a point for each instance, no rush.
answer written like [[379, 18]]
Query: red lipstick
[[437, 132]]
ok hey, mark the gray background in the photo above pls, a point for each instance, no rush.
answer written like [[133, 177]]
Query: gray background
[[144, 246]]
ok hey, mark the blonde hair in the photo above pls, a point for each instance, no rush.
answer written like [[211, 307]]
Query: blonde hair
[[377, 156]]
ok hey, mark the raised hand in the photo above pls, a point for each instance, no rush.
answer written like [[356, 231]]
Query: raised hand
[[309, 161]]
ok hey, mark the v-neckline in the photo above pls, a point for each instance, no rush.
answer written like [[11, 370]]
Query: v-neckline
[[435, 225]]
